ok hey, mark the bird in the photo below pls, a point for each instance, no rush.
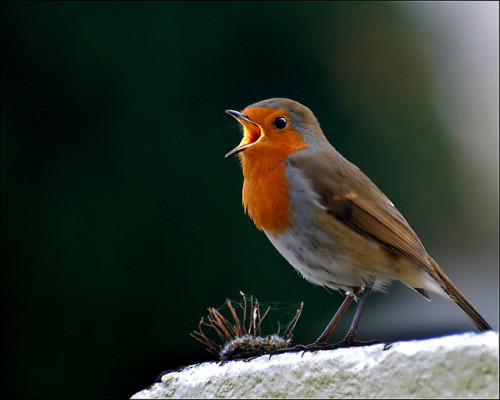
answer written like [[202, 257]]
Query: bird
[[326, 217]]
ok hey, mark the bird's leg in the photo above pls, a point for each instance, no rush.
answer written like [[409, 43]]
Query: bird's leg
[[320, 343], [336, 318], [349, 341]]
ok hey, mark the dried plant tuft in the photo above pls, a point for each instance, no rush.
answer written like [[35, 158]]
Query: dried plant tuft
[[242, 338]]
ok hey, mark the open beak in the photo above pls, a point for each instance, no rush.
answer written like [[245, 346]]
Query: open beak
[[251, 132]]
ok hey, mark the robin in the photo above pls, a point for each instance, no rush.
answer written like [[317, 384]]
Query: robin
[[326, 217]]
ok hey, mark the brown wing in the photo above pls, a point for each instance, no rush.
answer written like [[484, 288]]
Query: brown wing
[[351, 197]]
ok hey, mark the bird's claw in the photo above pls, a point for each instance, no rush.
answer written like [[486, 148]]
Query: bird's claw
[[347, 342], [316, 346], [301, 347]]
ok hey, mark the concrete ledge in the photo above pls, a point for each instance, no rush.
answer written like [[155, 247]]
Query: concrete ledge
[[458, 366]]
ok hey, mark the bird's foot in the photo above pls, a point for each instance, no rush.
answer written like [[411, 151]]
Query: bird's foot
[[301, 347], [316, 346], [349, 341]]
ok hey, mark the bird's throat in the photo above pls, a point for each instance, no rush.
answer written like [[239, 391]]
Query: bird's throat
[[266, 195], [267, 201]]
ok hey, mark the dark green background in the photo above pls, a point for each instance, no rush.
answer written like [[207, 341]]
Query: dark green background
[[121, 219]]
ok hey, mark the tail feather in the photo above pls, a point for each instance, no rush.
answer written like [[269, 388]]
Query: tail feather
[[459, 298]]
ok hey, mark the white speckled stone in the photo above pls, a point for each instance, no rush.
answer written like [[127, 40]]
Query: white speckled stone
[[458, 366]]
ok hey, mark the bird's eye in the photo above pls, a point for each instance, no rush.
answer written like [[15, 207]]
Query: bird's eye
[[279, 123]]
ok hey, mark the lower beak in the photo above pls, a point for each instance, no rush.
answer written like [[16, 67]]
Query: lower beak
[[251, 132]]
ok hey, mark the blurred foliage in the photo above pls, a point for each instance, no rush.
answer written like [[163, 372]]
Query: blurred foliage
[[121, 219]]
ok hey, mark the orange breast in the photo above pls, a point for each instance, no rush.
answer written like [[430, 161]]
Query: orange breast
[[266, 190], [267, 201]]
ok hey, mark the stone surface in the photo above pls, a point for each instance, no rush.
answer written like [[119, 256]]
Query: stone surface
[[458, 366]]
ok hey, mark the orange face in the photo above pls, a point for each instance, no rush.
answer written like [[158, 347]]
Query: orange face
[[268, 137]]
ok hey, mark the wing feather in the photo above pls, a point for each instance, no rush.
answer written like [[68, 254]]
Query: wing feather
[[351, 197]]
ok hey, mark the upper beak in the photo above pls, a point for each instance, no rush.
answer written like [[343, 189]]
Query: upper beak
[[251, 131]]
